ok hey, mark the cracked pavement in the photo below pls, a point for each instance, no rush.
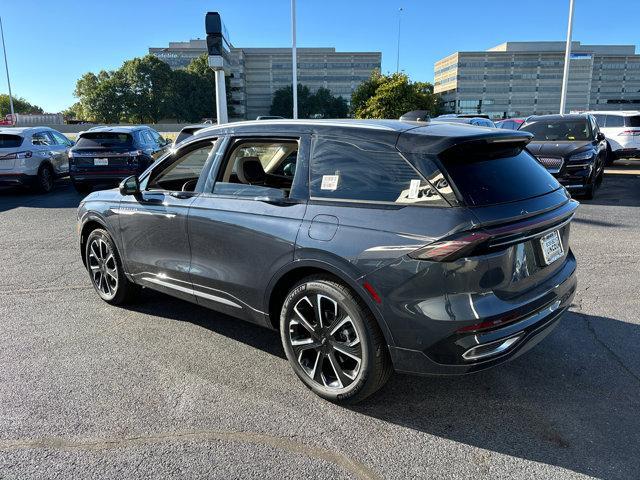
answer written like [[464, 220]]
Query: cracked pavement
[[166, 389]]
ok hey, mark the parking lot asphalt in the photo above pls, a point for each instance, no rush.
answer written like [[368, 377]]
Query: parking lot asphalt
[[166, 389]]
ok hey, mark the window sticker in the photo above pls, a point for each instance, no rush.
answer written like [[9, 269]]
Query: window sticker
[[414, 187], [329, 182]]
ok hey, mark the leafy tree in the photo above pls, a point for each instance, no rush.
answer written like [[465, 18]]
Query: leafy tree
[[321, 103], [390, 96], [20, 105]]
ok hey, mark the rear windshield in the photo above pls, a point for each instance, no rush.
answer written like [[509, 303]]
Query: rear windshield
[[104, 139], [558, 131], [10, 141], [485, 179], [632, 121]]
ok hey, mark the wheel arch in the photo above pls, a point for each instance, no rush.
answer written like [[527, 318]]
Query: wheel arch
[[89, 224], [281, 283]]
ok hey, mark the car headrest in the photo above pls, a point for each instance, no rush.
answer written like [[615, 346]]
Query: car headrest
[[250, 171]]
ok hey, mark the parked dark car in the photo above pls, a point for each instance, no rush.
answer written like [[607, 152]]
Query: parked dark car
[[571, 148], [189, 131], [477, 121], [510, 123], [106, 155], [438, 248]]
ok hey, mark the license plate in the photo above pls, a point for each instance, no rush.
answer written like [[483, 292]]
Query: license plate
[[101, 161], [552, 248]]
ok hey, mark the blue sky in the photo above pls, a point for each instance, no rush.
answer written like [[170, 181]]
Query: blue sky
[[50, 44]]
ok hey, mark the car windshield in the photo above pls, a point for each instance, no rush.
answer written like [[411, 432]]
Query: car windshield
[[10, 141], [558, 130], [104, 139]]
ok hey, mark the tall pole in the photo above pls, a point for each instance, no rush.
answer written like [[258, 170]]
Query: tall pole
[[221, 98], [294, 59], [6, 66], [398, 52], [567, 59]]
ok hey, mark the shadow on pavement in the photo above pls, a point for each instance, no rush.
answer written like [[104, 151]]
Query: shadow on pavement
[[618, 188], [62, 196], [570, 402]]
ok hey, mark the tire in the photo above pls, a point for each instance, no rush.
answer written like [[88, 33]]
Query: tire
[[105, 269], [45, 179], [609, 158], [590, 191], [82, 188], [314, 347]]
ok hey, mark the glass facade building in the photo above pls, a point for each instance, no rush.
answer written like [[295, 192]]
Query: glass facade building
[[256, 73], [517, 79]]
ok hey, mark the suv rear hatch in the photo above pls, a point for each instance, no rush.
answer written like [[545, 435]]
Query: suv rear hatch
[[522, 212], [9, 150], [108, 152]]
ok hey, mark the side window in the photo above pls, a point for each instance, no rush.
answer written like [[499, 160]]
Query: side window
[[343, 170], [60, 139], [146, 138], [614, 121], [157, 137], [600, 118], [41, 138], [181, 173], [257, 168], [594, 126]]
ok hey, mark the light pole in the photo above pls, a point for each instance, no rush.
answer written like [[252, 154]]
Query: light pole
[[567, 59], [294, 59], [6, 66], [398, 52]]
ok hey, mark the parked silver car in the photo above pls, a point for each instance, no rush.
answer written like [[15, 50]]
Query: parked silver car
[[33, 157]]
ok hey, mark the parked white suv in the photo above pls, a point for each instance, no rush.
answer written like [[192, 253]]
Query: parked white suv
[[622, 130], [33, 156]]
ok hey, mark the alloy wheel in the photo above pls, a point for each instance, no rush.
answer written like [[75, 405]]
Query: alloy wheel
[[46, 179], [102, 266], [325, 341]]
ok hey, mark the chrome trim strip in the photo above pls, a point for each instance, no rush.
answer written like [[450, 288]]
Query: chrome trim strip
[[191, 291]]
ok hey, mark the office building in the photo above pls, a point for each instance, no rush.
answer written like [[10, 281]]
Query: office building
[[517, 79], [256, 73]]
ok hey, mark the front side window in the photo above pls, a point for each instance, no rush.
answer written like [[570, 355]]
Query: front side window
[[156, 137], [60, 139], [344, 170], [183, 172], [258, 168], [558, 131]]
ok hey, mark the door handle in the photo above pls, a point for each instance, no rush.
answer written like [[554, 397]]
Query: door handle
[[180, 195]]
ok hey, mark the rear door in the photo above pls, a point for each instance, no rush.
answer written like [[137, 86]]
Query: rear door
[[243, 228]]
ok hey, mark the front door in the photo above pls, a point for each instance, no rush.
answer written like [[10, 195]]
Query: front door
[[244, 229], [153, 224]]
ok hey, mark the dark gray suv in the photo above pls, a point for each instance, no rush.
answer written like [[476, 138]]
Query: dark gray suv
[[372, 246]]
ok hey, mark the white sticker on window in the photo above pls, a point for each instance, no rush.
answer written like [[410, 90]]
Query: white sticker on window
[[414, 186], [329, 182]]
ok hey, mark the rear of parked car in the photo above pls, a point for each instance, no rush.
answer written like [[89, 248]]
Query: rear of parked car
[[105, 156], [622, 130], [33, 157]]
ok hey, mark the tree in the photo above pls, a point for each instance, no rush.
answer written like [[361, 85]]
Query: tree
[[322, 103], [20, 105], [390, 96]]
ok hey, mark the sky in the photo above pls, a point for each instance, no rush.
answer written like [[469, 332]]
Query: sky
[[50, 44]]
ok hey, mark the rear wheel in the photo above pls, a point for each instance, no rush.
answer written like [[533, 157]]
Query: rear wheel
[[45, 179], [105, 269], [332, 341]]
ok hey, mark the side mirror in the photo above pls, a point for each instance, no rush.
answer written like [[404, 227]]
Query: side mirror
[[600, 136], [130, 186]]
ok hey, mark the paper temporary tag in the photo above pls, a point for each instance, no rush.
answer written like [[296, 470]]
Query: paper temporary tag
[[414, 186], [329, 182]]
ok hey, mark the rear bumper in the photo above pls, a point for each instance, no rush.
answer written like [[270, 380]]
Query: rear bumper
[[631, 152], [96, 178]]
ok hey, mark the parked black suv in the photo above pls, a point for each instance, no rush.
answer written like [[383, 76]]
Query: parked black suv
[[424, 247], [571, 148], [106, 155]]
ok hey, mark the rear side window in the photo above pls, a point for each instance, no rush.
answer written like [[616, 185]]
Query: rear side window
[[485, 177], [632, 121], [42, 138], [344, 170], [615, 121], [104, 140], [10, 141]]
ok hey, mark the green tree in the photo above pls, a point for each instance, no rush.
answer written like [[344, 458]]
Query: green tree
[[103, 97], [390, 96], [20, 105], [321, 103], [199, 66]]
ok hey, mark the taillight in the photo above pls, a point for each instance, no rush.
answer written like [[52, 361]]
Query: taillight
[[17, 155], [451, 248], [629, 133]]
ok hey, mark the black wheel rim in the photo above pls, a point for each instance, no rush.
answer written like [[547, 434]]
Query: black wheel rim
[[46, 179], [325, 341], [102, 267]]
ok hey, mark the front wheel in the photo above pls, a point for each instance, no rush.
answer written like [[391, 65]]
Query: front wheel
[[105, 269], [332, 341]]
